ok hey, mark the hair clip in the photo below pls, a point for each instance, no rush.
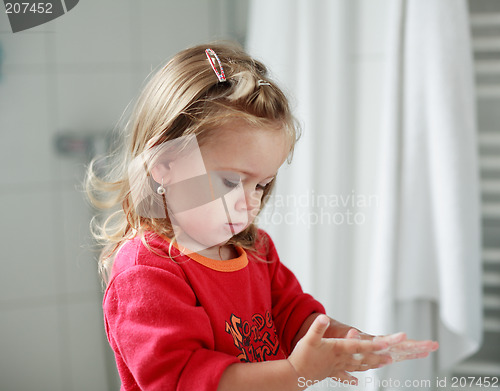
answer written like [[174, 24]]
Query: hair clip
[[211, 55], [263, 83]]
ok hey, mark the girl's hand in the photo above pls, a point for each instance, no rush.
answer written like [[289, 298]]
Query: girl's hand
[[405, 350], [316, 357]]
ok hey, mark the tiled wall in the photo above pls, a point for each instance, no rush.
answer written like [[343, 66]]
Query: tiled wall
[[74, 74]]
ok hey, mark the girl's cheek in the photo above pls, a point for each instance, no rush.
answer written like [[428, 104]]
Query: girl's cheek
[[254, 203], [254, 199]]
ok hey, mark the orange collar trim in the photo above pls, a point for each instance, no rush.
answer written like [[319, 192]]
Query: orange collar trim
[[230, 265]]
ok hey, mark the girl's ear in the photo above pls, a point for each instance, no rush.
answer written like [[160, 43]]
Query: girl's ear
[[161, 173]]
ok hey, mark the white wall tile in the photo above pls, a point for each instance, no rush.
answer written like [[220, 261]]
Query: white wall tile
[[86, 344], [165, 27], [24, 48], [30, 350], [78, 256], [4, 22], [92, 102], [28, 240], [144, 72], [88, 104], [94, 32], [25, 146]]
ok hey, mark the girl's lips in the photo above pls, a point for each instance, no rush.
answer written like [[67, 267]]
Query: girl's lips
[[236, 227]]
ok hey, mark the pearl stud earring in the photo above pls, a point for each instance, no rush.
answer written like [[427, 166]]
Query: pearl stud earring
[[161, 190]]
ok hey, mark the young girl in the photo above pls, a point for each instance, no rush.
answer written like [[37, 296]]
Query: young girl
[[196, 297]]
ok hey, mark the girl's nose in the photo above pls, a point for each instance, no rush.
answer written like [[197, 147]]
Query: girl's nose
[[241, 203], [248, 200]]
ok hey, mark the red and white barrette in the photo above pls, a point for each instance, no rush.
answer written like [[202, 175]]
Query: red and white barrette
[[212, 56]]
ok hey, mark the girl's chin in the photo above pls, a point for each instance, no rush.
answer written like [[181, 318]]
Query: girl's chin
[[235, 228]]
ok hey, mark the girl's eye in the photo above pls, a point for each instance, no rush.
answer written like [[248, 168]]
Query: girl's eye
[[261, 187], [230, 184]]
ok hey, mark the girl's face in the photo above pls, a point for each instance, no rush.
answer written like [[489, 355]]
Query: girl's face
[[240, 161]]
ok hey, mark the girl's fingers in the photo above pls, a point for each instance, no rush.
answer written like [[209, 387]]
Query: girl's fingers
[[352, 345], [411, 347], [353, 334], [403, 357], [392, 339], [354, 353], [317, 330], [410, 350], [358, 355], [363, 362], [414, 345]]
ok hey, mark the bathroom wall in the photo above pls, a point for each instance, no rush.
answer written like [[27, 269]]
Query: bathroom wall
[[72, 76]]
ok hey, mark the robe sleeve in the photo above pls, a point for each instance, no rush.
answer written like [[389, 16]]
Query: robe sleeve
[[162, 339], [291, 306]]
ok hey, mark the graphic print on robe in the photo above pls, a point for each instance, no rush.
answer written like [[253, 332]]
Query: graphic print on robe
[[256, 339]]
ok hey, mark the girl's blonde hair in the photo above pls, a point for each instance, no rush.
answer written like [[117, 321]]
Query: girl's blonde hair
[[185, 98]]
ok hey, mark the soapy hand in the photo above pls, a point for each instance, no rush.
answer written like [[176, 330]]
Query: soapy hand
[[406, 349], [316, 356]]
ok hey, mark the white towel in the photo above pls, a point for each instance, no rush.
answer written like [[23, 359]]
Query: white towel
[[426, 269]]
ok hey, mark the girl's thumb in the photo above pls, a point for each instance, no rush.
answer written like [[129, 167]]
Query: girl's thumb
[[318, 328]]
